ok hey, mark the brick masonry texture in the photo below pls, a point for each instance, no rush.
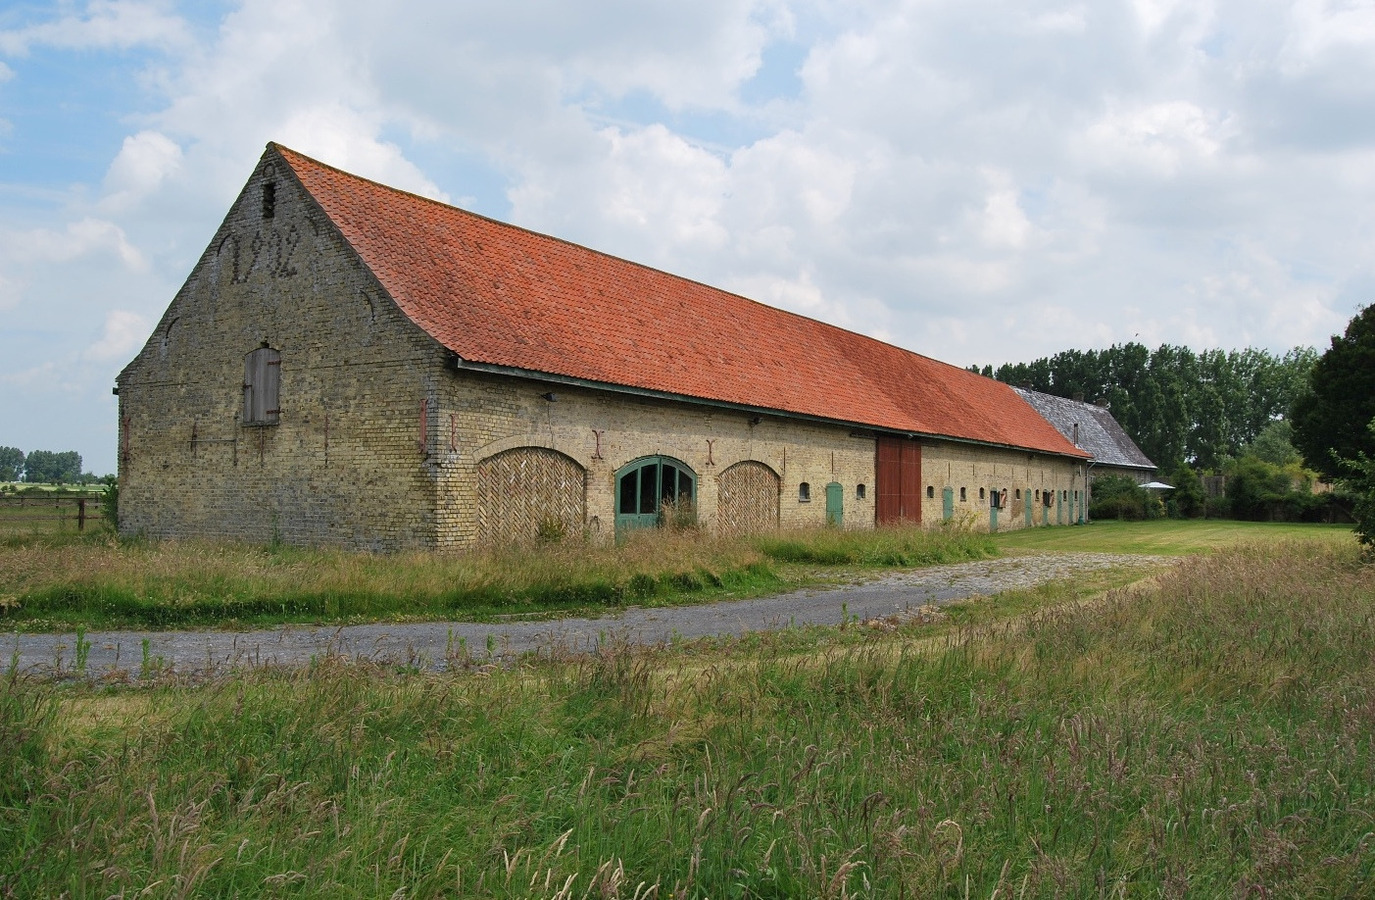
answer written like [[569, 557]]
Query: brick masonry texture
[[342, 467], [383, 443]]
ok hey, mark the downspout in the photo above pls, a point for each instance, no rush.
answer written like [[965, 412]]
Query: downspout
[[1088, 499]]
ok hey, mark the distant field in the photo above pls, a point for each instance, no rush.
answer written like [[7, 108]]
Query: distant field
[[1173, 537], [1209, 733], [44, 509]]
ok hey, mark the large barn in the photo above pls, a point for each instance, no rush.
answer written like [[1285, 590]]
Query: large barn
[[349, 364]]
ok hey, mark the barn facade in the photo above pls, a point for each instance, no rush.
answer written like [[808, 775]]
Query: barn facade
[[352, 365]]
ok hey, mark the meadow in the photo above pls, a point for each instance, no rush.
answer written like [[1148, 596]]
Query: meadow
[[57, 580], [1206, 732]]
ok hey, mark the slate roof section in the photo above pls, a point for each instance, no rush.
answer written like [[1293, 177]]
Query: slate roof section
[[1099, 432], [504, 296]]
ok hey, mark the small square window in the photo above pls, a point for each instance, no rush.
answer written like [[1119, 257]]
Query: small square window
[[1018, 494], [859, 492], [963, 496], [981, 493], [804, 493], [930, 492]]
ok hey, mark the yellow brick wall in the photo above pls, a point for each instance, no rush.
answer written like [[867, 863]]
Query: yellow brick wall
[[343, 466], [973, 469], [482, 415]]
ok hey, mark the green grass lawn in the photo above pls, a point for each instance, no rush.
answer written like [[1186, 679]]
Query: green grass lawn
[[1171, 537], [1209, 733], [58, 582]]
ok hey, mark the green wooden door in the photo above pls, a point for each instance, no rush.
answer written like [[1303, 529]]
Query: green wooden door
[[646, 486], [948, 504], [1026, 507], [993, 512], [835, 504]]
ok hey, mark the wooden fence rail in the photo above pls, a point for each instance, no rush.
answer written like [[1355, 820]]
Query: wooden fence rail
[[59, 510]]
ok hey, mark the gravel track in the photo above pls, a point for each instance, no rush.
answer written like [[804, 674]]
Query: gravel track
[[120, 654]]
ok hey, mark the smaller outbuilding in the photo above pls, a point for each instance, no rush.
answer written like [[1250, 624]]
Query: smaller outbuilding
[[1091, 427]]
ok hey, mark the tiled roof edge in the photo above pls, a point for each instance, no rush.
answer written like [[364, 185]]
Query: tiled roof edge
[[573, 381], [285, 152]]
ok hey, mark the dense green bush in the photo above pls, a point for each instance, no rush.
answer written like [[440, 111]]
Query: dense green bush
[[1119, 497], [1359, 485], [1263, 491], [1188, 500]]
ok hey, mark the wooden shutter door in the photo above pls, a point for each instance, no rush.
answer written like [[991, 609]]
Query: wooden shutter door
[[911, 481], [888, 508], [248, 382], [272, 386], [899, 481]]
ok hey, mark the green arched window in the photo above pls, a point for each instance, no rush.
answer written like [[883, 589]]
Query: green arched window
[[644, 486]]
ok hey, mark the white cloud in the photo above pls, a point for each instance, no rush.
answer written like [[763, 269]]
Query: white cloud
[[1073, 20], [343, 138], [144, 161], [981, 181], [124, 332], [1154, 14], [104, 23], [10, 292], [1004, 223], [43, 374], [81, 238], [1318, 29], [647, 194], [1160, 138]]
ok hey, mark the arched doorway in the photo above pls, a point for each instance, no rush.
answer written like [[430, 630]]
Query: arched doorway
[[646, 486], [748, 500], [524, 490]]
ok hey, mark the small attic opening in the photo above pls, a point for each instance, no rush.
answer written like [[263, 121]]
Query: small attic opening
[[269, 199]]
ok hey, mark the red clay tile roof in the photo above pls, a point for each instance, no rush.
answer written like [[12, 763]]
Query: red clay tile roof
[[501, 295]]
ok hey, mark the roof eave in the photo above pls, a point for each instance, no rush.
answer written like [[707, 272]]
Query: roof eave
[[457, 363]]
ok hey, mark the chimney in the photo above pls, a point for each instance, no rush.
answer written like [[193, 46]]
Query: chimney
[[1076, 434]]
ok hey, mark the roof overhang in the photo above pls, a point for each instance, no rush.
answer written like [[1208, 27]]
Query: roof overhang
[[459, 364]]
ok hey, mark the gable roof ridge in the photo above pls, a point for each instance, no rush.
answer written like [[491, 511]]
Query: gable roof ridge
[[504, 295], [449, 207], [283, 154]]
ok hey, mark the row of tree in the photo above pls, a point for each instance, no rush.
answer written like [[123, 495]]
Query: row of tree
[[42, 466], [1177, 404], [1270, 423]]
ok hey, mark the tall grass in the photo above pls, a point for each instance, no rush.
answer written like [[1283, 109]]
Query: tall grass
[[1210, 735], [56, 582]]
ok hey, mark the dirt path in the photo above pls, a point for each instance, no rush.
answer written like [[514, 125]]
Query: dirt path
[[429, 644]]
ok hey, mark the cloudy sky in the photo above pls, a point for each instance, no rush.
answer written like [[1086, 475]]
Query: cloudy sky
[[978, 180]]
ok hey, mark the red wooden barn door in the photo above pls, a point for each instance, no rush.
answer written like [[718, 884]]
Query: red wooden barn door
[[899, 481]]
